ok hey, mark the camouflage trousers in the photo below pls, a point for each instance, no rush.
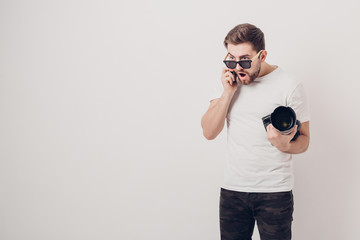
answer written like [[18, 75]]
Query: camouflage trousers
[[271, 211]]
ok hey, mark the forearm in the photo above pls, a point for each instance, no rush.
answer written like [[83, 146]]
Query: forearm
[[300, 145], [213, 120]]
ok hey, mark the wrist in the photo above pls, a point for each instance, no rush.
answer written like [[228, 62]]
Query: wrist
[[285, 148], [228, 94]]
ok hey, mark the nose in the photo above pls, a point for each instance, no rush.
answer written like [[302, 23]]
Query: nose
[[238, 67]]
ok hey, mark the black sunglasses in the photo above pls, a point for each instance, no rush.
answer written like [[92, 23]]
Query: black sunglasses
[[243, 63]]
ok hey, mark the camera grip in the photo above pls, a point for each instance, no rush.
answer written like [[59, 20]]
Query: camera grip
[[266, 120], [297, 134]]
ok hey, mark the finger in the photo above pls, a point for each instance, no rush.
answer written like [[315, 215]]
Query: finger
[[225, 69], [237, 74], [227, 74], [270, 130], [232, 77], [229, 78], [294, 131], [273, 131], [225, 77], [269, 127]]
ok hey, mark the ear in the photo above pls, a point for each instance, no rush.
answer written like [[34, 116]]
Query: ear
[[263, 55]]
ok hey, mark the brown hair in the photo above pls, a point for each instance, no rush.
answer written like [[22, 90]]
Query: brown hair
[[246, 33]]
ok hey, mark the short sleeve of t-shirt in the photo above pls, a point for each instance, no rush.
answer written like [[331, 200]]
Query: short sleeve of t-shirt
[[299, 102]]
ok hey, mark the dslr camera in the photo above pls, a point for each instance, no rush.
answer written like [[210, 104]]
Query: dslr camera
[[284, 120]]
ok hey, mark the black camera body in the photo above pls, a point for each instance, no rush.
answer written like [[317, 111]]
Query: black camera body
[[284, 120]]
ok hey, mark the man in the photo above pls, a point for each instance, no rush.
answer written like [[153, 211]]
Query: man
[[258, 178]]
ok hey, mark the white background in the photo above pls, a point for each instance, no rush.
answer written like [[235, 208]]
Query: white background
[[100, 108]]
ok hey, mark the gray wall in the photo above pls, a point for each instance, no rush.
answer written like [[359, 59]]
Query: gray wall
[[100, 108]]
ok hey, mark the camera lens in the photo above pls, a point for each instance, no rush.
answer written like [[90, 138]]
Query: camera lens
[[283, 119]]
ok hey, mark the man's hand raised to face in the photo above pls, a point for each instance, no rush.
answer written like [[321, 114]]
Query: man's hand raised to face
[[228, 80]]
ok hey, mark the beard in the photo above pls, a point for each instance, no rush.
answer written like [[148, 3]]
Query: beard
[[251, 75]]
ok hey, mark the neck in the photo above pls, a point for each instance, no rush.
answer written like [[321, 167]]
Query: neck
[[266, 69]]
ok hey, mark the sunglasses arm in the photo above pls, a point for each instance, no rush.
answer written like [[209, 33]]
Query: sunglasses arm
[[257, 55]]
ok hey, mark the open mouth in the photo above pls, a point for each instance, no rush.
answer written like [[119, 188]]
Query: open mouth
[[242, 74]]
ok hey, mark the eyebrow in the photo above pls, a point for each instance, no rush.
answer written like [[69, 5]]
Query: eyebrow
[[246, 55]]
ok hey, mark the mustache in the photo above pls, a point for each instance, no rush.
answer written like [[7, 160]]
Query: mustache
[[242, 71]]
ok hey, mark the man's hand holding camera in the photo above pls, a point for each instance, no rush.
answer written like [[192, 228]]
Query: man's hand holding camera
[[280, 141]]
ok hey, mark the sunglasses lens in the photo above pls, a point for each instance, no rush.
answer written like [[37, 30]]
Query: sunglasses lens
[[245, 64], [230, 64]]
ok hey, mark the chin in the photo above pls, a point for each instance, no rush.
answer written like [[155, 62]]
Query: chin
[[246, 82], [249, 79]]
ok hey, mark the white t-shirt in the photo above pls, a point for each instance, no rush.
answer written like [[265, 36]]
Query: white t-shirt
[[253, 164]]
